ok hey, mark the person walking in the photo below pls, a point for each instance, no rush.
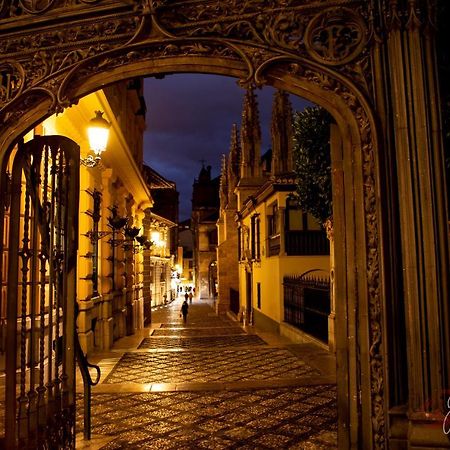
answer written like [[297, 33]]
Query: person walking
[[186, 296], [190, 297], [184, 310]]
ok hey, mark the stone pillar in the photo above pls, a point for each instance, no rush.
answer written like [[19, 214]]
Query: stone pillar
[[139, 277], [282, 224], [332, 315], [421, 206], [336, 145], [130, 275], [105, 318], [85, 303], [227, 261], [119, 301]]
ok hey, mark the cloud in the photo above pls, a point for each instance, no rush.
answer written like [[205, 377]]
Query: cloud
[[189, 118]]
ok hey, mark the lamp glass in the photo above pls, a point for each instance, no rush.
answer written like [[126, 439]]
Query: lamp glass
[[98, 133], [155, 236]]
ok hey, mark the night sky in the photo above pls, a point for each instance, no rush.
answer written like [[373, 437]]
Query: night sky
[[189, 118]]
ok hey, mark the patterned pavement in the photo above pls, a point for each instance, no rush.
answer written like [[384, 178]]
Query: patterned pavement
[[206, 332], [253, 419], [209, 366], [211, 385], [209, 324], [199, 342]]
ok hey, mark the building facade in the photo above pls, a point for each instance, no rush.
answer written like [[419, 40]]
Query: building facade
[[112, 199], [186, 255], [160, 228], [159, 262], [387, 93], [205, 212], [261, 226]]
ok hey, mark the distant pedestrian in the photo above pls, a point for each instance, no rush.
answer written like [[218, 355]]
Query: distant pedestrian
[[184, 310], [186, 296], [190, 297]]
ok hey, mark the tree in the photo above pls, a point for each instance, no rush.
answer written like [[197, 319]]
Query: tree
[[313, 162]]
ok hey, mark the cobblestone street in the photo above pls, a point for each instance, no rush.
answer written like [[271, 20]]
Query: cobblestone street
[[210, 384]]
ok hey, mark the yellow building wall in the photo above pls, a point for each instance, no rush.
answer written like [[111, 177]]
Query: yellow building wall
[[120, 182], [270, 271]]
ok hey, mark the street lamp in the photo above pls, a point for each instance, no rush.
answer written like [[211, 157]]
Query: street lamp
[[98, 133]]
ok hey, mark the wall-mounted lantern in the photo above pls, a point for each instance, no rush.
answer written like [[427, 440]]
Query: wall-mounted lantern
[[98, 134]]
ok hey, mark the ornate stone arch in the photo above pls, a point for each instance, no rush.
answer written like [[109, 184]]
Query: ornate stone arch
[[54, 52]]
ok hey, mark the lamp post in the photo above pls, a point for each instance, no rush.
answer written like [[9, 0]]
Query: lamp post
[[98, 133]]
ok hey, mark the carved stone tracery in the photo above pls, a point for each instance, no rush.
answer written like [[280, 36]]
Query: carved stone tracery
[[290, 29]]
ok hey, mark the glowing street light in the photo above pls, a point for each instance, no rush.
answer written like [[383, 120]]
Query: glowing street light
[[155, 236], [98, 133]]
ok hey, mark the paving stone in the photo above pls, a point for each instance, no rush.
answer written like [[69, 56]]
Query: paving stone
[[213, 353], [204, 332], [208, 366], [169, 426], [210, 323], [200, 342]]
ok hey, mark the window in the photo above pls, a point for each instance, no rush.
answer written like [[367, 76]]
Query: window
[[239, 243], [273, 222], [258, 295], [273, 232], [96, 216], [212, 237], [255, 244]]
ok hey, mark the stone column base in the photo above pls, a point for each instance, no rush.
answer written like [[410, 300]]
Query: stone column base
[[106, 326], [331, 332], [139, 306], [222, 306], [86, 341], [426, 434]]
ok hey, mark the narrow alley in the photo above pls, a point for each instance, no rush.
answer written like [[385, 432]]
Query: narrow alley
[[210, 384]]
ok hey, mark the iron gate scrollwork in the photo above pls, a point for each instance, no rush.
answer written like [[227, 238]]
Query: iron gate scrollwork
[[41, 295]]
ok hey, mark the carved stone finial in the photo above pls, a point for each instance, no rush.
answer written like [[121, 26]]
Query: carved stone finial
[[233, 163], [282, 134], [329, 229], [235, 154], [250, 136], [223, 183]]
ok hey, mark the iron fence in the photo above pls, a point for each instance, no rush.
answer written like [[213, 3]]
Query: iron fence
[[307, 304]]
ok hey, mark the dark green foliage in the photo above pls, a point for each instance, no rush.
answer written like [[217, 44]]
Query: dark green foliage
[[312, 162]]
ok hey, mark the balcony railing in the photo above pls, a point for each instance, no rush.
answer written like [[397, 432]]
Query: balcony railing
[[300, 243]]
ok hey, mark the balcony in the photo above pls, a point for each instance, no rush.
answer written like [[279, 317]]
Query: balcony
[[303, 243], [274, 245]]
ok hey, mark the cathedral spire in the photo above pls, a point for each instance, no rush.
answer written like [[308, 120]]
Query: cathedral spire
[[250, 137], [234, 158], [223, 191], [234, 155], [282, 134]]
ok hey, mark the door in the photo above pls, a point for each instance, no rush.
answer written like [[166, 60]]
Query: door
[[41, 293], [249, 301]]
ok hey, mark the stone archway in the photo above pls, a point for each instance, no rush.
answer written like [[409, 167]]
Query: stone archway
[[329, 52]]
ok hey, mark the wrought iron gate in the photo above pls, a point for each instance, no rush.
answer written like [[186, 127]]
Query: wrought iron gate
[[307, 303], [41, 294]]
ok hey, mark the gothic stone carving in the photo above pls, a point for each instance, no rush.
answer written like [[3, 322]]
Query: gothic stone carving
[[372, 232], [333, 36], [54, 58]]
